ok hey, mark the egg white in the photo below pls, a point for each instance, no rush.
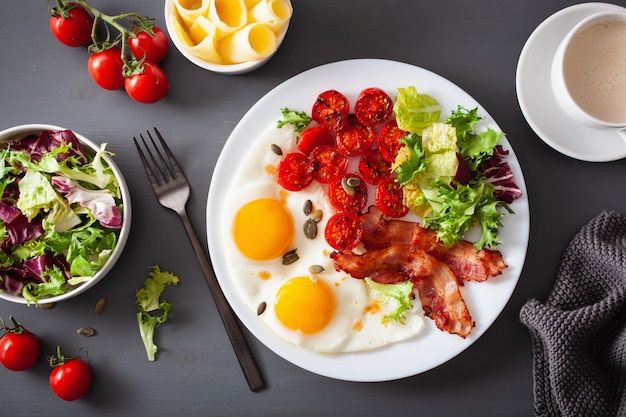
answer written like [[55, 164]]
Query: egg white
[[351, 328]]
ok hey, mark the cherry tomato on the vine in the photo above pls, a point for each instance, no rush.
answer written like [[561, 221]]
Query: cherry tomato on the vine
[[72, 28], [105, 68], [19, 348], [153, 48], [70, 378], [148, 86]]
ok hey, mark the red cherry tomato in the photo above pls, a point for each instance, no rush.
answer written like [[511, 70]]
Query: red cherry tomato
[[71, 379], [373, 107], [330, 110], [295, 171], [153, 48], [373, 167], [348, 193], [388, 140], [355, 137], [343, 231], [19, 348], [105, 68], [389, 198], [73, 30], [313, 137], [328, 163], [149, 86]]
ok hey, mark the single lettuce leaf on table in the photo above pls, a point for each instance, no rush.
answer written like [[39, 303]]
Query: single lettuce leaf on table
[[152, 310]]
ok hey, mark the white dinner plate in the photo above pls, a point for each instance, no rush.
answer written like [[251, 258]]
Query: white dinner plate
[[431, 347], [537, 102]]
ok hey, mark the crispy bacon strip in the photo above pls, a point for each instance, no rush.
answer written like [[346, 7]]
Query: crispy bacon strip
[[438, 288], [463, 259]]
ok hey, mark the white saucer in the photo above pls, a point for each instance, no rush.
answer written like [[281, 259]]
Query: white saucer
[[537, 102]]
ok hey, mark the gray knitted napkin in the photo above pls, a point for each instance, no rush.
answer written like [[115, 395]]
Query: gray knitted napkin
[[578, 335]]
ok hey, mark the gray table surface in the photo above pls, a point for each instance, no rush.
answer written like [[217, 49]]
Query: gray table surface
[[474, 44]]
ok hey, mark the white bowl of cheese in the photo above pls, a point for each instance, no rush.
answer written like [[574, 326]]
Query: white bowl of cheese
[[228, 36]]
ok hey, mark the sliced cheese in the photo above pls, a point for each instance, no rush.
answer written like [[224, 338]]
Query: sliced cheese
[[189, 10], [228, 15], [273, 13]]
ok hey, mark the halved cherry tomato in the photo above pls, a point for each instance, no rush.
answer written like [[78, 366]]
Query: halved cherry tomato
[[105, 68], [148, 86], [348, 193], [328, 163], [313, 137], [19, 348], [295, 171], [71, 27], [153, 48], [330, 110], [388, 140], [373, 107], [355, 137], [344, 231], [70, 379], [389, 198], [373, 167]]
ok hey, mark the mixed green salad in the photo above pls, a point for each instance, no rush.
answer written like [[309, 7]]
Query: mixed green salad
[[60, 214], [452, 176]]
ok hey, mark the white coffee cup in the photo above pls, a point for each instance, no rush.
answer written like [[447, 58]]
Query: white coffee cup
[[588, 73]]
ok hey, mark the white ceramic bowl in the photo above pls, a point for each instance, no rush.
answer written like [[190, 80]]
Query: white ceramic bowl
[[23, 130], [230, 69]]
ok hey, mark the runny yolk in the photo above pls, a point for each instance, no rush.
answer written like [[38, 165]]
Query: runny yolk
[[263, 229], [304, 304]]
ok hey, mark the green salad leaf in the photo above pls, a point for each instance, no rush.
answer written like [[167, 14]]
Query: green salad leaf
[[396, 297], [415, 111]]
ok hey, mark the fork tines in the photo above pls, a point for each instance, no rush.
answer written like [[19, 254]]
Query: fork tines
[[162, 171]]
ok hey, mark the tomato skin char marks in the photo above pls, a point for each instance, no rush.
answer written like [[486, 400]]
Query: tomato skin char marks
[[355, 137], [295, 171], [388, 198], [388, 140], [373, 167], [373, 107], [330, 110], [328, 163]]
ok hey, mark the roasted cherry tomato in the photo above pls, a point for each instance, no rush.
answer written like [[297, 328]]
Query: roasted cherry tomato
[[373, 167], [295, 171], [355, 137], [373, 107], [70, 378], [313, 137], [330, 110], [153, 48], [389, 198], [348, 193], [105, 68], [388, 140], [328, 163], [71, 27], [343, 231], [147, 86], [19, 348]]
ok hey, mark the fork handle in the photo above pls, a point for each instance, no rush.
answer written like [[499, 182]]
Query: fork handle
[[240, 345]]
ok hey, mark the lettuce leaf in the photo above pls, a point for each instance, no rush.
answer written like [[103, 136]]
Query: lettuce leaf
[[395, 297], [415, 111]]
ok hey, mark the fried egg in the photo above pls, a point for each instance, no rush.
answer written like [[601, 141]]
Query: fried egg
[[287, 278]]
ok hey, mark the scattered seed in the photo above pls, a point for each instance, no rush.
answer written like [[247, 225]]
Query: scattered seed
[[276, 149], [86, 331], [308, 206], [47, 306], [261, 308], [317, 215], [353, 181], [310, 229], [100, 305], [349, 189], [290, 257], [316, 269]]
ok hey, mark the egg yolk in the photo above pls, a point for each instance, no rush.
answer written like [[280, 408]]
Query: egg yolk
[[263, 229], [304, 304]]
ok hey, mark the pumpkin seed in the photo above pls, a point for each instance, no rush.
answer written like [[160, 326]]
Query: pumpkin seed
[[100, 305], [349, 189], [276, 149], [353, 181], [86, 331], [290, 257], [310, 229], [316, 216], [316, 269], [308, 206], [47, 306], [261, 308]]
